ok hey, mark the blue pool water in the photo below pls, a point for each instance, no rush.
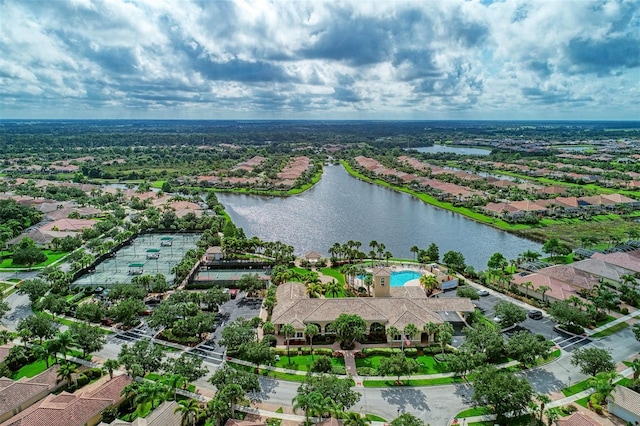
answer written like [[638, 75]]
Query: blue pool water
[[398, 279]]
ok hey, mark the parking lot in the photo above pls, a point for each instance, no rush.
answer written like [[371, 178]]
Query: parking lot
[[544, 326]]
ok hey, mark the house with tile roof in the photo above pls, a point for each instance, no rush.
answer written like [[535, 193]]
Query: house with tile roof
[[625, 403], [578, 419], [576, 278], [608, 272], [629, 260], [72, 409], [163, 415], [405, 305], [557, 290], [16, 396]]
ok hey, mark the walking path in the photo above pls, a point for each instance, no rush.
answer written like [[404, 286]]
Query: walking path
[[614, 322]]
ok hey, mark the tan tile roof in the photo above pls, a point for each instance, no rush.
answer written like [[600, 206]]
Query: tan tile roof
[[296, 308], [578, 419], [164, 415], [626, 398], [601, 268], [570, 275], [629, 260]]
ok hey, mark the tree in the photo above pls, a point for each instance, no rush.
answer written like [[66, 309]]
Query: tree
[[603, 385], [526, 347], [334, 288], [414, 250], [407, 419], [258, 353], [497, 261], [227, 375], [311, 330], [66, 371], [429, 283], [218, 409], [593, 360], [337, 390], [465, 360], [142, 356], [35, 289], [543, 289], [126, 312], [466, 291], [4, 307], [409, 331], [636, 331], [454, 260], [251, 283], [190, 411], [28, 256], [187, 366], [484, 339], [311, 403], [236, 333], [214, 297], [509, 313], [287, 330], [233, 394], [110, 365], [391, 333], [38, 325], [55, 304], [431, 328], [567, 314], [503, 391], [40, 352], [64, 342], [444, 336], [348, 328], [91, 311], [355, 419], [432, 253], [322, 364], [398, 365], [87, 338]]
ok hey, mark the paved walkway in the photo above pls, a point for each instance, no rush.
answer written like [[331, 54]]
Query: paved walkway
[[614, 322]]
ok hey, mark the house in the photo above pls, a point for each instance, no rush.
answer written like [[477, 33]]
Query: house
[[313, 257], [629, 260], [163, 415], [557, 290], [578, 419], [72, 409], [68, 225], [606, 271], [576, 278], [625, 403], [405, 305], [19, 395], [213, 254]]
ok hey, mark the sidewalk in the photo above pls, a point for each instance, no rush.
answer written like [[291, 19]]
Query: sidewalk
[[614, 322]]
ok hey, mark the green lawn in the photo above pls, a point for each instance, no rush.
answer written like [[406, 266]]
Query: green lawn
[[374, 418], [412, 382], [333, 272], [577, 388], [611, 330], [583, 402], [607, 320], [303, 362], [33, 369], [428, 365], [472, 412], [52, 256]]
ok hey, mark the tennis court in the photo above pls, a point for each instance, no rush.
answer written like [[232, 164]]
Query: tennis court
[[147, 254]]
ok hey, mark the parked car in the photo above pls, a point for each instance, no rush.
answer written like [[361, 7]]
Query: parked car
[[233, 293], [535, 314], [483, 293], [482, 310]]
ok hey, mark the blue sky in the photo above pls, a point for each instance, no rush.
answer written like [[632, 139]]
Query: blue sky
[[552, 59]]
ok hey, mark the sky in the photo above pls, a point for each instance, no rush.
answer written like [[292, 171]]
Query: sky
[[338, 59]]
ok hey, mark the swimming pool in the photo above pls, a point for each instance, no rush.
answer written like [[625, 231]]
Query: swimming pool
[[398, 279]]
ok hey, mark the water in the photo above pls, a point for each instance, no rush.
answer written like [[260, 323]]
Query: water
[[398, 279], [341, 208], [462, 150]]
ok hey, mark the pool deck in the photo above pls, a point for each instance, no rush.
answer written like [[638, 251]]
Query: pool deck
[[400, 268]]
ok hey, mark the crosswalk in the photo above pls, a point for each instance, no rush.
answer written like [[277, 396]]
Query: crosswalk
[[571, 343]]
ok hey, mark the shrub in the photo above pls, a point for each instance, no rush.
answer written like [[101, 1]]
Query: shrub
[[337, 354], [82, 380], [323, 351], [339, 370], [359, 355], [624, 311], [367, 371], [570, 409], [411, 352], [440, 357], [305, 350], [377, 351], [281, 351], [321, 364], [93, 373], [270, 340]]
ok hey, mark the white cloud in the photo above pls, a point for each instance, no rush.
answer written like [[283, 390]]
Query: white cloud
[[320, 59]]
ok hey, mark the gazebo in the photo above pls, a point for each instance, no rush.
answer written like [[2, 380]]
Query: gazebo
[[153, 253], [166, 241]]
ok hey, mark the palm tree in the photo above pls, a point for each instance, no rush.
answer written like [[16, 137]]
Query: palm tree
[[110, 365], [334, 288], [603, 384], [430, 328], [311, 330], [66, 371], [544, 400], [629, 279], [368, 282], [409, 331], [355, 419], [315, 290], [391, 333], [388, 255], [527, 285], [445, 334], [150, 392], [429, 283], [190, 410], [217, 409], [288, 331], [233, 394], [414, 250], [543, 289], [65, 342], [174, 381], [52, 348], [636, 368], [40, 353]]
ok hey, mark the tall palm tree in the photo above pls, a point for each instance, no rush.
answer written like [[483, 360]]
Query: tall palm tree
[[445, 334], [388, 255], [414, 250], [150, 393], [636, 369], [391, 333], [430, 328], [334, 287], [66, 371], [288, 331], [543, 289], [40, 353], [52, 348], [409, 331], [190, 410], [174, 381], [233, 394], [65, 341], [110, 365], [603, 384], [311, 330], [217, 409]]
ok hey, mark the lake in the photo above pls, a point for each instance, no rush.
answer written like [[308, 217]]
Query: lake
[[462, 150], [341, 208]]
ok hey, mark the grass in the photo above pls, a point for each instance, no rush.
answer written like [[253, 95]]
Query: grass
[[32, 369], [303, 362], [607, 320], [52, 256], [428, 365], [333, 272], [577, 388], [157, 377], [374, 418], [472, 412], [611, 330], [583, 402]]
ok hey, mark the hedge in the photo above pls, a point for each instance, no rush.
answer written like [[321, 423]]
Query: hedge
[[323, 351]]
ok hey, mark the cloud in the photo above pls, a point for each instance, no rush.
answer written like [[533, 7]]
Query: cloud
[[320, 59]]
